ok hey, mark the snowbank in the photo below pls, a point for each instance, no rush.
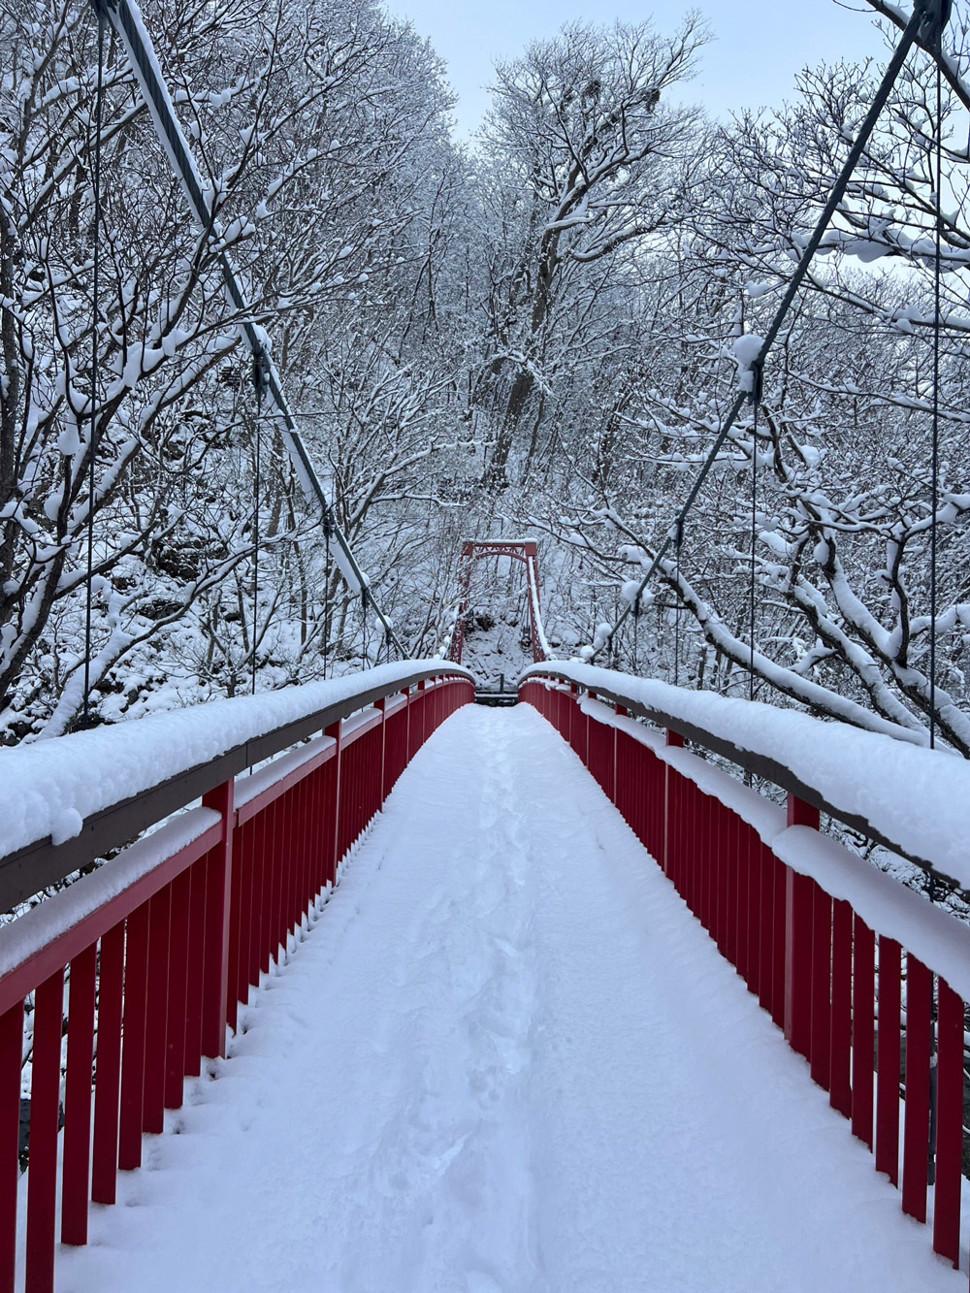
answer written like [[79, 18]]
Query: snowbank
[[916, 797], [50, 787]]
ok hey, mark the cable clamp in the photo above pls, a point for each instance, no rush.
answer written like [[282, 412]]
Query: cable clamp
[[757, 380], [936, 15]]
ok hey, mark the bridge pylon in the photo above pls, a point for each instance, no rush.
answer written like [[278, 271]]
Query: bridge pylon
[[524, 550]]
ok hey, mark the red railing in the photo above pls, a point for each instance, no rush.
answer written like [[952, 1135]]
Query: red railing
[[160, 947], [832, 981]]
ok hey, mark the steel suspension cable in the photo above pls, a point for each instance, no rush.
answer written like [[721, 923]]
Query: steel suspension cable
[[924, 12], [327, 621], [257, 492], [935, 428], [679, 540], [95, 372], [136, 42], [752, 599]]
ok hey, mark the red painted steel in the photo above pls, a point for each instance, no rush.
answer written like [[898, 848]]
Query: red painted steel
[[104, 1152], [949, 1125], [840, 1038], [11, 1060], [809, 957], [77, 1098], [887, 1085], [528, 553], [863, 1029], [164, 965], [45, 1092], [821, 985], [919, 1035]]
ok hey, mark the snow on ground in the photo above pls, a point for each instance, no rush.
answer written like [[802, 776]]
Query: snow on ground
[[505, 1060]]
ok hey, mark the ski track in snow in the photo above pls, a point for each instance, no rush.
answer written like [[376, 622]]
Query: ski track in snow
[[504, 1059]]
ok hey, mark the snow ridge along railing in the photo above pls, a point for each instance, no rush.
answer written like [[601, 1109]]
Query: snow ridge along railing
[[68, 801], [834, 949], [161, 945]]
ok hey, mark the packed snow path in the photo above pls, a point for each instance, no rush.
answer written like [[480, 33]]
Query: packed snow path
[[506, 1058]]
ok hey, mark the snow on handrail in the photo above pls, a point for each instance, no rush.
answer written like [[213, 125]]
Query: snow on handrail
[[49, 789], [914, 800]]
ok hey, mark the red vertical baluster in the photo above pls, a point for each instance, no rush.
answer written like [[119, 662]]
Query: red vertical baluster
[[840, 1045], [178, 978], [863, 1029], [782, 878], [104, 1167], [887, 1085], [133, 1055], [335, 731], [153, 1117], [766, 933], [675, 740], [270, 848], [949, 1126], [77, 1098], [821, 985], [753, 861], [195, 987], [218, 896], [281, 860], [11, 1060], [724, 825], [291, 865], [798, 940], [235, 925], [246, 879], [45, 1099], [916, 1138], [743, 908]]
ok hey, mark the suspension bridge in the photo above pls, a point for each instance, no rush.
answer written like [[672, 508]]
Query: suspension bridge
[[359, 985]]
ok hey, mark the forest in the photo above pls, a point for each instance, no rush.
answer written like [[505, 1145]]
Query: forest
[[536, 332]]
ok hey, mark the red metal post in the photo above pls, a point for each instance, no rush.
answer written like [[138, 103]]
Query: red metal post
[[949, 1125], [45, 1092], [104, 1167], [218, 896], [821, 985], [863, 1030], [919, 1033], [767, 926], [887, 1085], [195, 992], [779, 941], [178, 978], [840, 1046], [133, 1056], [77, 1099], [153, 1116], [11, 1059], [335, 731], [798, 940], [675, 740]]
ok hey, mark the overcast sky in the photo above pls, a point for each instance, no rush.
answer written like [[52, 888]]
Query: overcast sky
[[758, 48]]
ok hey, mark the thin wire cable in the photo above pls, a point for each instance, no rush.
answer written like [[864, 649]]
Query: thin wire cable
[[257, 491], [95, 374], [752, 601], [326, 599], [679, 542], [935, 433]]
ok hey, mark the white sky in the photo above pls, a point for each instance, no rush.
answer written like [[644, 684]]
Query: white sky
[[758, 48]]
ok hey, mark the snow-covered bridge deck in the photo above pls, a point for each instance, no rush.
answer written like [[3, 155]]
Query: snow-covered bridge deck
[[506, 1058]]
